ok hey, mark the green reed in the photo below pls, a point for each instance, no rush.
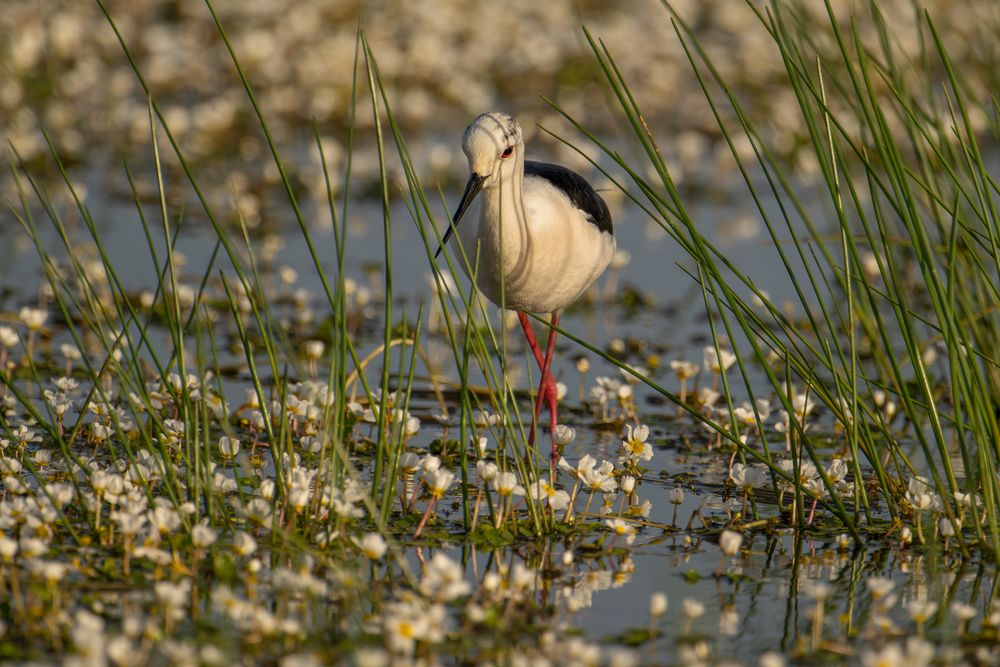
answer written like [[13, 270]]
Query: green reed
[[909, 184]]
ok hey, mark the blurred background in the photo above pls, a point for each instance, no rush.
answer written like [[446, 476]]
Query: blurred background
[[62, 69]]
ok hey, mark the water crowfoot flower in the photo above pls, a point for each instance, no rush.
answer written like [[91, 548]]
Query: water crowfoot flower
[[657, 604], [506, 486], [657, 608], [920, 611], [244, 544], [34, 319], [404, 624], [676, 499], [563, 435], [746, 478], [621, 528], [372, 545], [963, 613], [228, 447], [880, 589], [438, 480], [556, 499], [202, 537], [635, 445], [717, 361], [917, 653], [443, 579], [729, 544], [684, 370]]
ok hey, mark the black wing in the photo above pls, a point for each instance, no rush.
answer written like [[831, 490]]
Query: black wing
[[577, 189]]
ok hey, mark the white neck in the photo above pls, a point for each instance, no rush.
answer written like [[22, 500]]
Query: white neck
[[503, 213]]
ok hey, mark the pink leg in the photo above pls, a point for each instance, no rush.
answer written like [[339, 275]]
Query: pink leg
[[547, 389], [529, 333]]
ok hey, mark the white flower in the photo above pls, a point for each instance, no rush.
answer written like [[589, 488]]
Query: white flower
[[506, 485], [677, 495], [890, 655], [635, 445], [33, 318], [963, 612], [837, 471], [802, 405], [963, 499], [483, 419], [745, 415], [370, 657], [600, 479], [563, 435], [641, 510], [171, 595], [557, 499], [313, 349], [404, 624], [31, 547], [771, 659], [921, 610], [747, 477], [807, 472], [8, 337], [244, 544], [409, 463], [430, 463], [627, 484], [684, 369], [486, 471], [443, 579], [438, 482], [620, 527], [729, 542], [372, 545], [70, 352], [657, 604], [691, 608], [718, 361], [228, 447], [879, 587], [8, 548], [585, 463], [920, 494], [202, 535]]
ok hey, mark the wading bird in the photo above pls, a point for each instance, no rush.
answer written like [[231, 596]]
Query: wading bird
[[540, 238]]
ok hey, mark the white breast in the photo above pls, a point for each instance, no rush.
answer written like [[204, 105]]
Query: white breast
[[550, 254]]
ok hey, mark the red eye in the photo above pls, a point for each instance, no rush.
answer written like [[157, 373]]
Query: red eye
[[507, 152]]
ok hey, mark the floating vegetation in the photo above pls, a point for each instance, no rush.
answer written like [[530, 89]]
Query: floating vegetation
[[228, 465]]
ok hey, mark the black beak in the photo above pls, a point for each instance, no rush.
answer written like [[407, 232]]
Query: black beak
[[472, 189]]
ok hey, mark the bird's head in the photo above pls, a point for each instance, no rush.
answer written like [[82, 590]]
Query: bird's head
[[494, 145]]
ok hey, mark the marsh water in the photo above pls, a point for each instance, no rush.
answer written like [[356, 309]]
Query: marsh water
[[764, 600]]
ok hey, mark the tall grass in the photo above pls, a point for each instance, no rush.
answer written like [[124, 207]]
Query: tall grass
[[907, 184], [101, 309]]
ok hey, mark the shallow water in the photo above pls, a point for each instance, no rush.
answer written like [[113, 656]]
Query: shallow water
[[762, 600]]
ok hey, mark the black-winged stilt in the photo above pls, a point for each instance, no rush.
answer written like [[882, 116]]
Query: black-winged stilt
[[542, 235]]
